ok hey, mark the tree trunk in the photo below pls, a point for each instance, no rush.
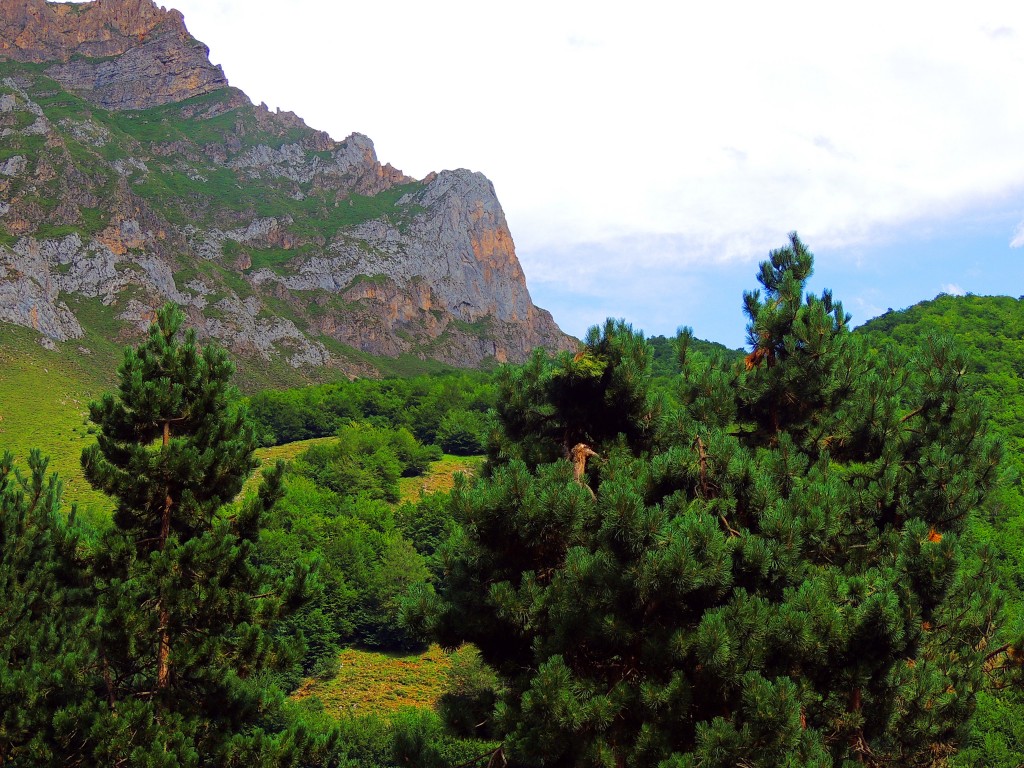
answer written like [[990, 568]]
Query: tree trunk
[[107, 681], [163, 668]]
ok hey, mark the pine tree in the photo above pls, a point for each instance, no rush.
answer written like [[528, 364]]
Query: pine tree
[[183, 607], [776, 572], [43, 647], [547, 411]]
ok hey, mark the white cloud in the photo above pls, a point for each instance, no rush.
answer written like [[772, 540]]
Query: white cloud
[[723, 123], [953, 289], [863, 309], [1018, 236]]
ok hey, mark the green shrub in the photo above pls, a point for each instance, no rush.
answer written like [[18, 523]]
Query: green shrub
[[463, 433]]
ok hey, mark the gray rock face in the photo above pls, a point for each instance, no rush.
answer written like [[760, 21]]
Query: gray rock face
[[26, 303], [86, 132], [166, 69], [353, 166], [478, 274], [13, 166], [31, 285], [266, 337], [289, 162], [455, 258]]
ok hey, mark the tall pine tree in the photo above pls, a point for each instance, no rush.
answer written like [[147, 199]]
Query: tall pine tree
[[773, 573], [44, 648], [184, 609]]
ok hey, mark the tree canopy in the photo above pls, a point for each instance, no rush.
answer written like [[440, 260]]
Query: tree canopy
[[771, 570]]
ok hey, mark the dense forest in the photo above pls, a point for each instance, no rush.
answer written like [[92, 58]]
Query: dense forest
[[668, 553]]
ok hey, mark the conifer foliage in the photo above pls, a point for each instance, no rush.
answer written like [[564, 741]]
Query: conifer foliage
[[43, 650], [183, 608], [775, 571]]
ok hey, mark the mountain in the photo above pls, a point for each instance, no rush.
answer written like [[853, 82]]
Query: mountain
[[132, 173]]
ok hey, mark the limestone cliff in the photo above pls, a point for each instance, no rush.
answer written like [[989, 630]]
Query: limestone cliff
[[132, 174]]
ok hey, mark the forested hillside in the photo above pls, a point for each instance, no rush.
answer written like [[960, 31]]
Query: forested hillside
[[657, 552], [990, 331]]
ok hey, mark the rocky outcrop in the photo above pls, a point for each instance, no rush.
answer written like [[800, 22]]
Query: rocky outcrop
[[35, 274], [38, 31], [352, 167], [280, 242], [165, 69], [455, 257], [478, 274], [155, 60], [26, 303], [356, 166]]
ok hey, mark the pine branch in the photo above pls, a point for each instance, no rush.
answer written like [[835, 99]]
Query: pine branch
[[491, 754], [732, 531], [912, 414]]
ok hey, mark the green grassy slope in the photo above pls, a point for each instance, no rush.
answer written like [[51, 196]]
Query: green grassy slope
[[44, 398]]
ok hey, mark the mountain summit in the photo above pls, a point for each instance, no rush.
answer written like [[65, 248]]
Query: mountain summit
[[131, 173]]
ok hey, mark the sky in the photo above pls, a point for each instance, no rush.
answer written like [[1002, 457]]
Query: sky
[[648, 155]]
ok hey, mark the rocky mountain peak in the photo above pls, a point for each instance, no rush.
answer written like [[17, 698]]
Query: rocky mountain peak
[[145, 179], [117, 54], [357, 157]]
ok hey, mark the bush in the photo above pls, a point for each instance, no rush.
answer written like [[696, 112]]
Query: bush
[[463, 433], [471, 691]]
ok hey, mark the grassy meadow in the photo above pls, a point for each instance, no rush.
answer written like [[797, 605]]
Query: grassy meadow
[[440, 478], [381, 683], [269, 456]]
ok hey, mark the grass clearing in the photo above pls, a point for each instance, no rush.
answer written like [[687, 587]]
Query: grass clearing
[[269, 456], [440, 478], [372, 683], [274, 259]]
